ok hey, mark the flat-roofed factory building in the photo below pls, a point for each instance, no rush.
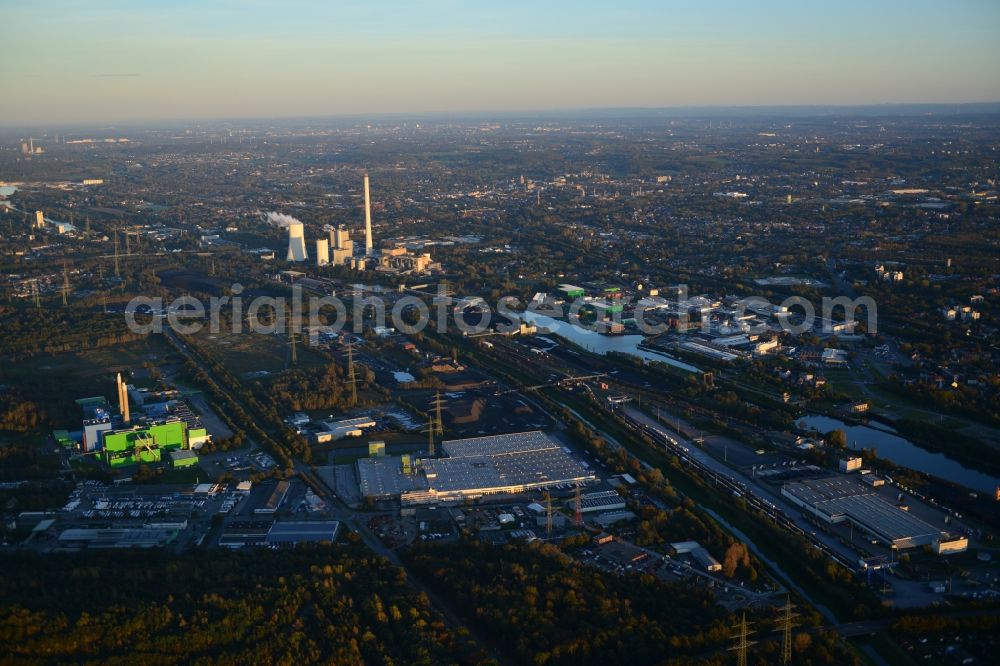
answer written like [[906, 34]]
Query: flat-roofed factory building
[[474, 468], [839, 498]]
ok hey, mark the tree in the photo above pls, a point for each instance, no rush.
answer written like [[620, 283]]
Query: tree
[[837, 438]]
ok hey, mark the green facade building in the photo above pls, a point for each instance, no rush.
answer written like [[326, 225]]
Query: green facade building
[[144, 444]]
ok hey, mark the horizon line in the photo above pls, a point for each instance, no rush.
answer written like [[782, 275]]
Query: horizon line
[[486, 114]]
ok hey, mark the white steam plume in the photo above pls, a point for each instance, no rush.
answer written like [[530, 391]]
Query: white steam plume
[[280, 219]]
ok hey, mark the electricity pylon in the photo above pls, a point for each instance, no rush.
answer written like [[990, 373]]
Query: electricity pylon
[[548, 513], [65, 286], [430, 434], [742, 644], [438, 422], [578, 512], [351, 377], [291, 337], [117, 270], [786, 623]]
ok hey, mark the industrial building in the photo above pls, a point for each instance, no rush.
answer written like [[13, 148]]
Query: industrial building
[[838, 498], [134, 537], [161, 427], [341, 246], [250, 533], [474, 468], [345, 428], [607, 500], [697, 552], [275, 500], [293, 532], [183, 458], [143, 444]]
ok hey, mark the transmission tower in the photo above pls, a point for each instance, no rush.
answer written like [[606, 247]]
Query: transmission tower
[[117, 270], [438, 423], [786, 623], [128, 243], [34, 291], [742, 644], [291, 338], [578, 512], [430, 435], [351, 377], [548, 513], [65, 286]]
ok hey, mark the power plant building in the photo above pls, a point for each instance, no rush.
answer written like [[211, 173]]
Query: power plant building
[[341, 246]]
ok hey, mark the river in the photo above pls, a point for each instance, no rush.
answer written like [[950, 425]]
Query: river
[[892, 447], [602, 344]]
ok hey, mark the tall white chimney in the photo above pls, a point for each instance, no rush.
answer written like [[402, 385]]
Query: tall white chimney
[[123, 399], [369, 246]]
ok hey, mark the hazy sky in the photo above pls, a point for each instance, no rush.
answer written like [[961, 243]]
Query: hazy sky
[[99, 61]]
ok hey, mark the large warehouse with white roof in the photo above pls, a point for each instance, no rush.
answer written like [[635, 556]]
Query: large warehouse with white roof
[[473, 468]]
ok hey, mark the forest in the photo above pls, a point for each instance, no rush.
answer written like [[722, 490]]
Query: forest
[[319, 604], [538, 606]]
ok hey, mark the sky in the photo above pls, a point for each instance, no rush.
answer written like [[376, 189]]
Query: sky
[[147, 60]]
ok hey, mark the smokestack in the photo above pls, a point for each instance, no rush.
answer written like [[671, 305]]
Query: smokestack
[[368, 221], [123, 400]]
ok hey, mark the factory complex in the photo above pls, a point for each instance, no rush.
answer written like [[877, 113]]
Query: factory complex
[[474, 468], [837, 499], [163, 428]]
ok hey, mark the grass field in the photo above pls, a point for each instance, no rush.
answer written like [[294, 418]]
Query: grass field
[[245, 353]]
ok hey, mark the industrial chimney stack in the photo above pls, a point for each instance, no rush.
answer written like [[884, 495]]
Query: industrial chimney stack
[[368, 221], [123, 400]]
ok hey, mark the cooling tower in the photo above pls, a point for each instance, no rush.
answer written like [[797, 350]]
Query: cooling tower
[[322, 252], [296, 243]]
